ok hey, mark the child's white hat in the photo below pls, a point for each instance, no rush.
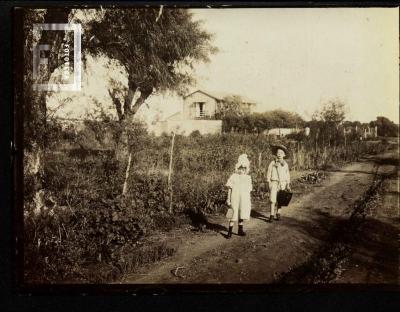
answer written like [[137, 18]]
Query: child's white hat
[[243, 161]]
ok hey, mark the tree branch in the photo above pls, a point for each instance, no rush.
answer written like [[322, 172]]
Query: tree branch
[[144, 94], [117, 104], [132, 88]]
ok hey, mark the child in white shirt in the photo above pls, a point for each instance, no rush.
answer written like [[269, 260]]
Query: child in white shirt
[[278, 178]]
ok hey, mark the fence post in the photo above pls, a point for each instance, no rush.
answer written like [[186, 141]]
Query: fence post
[[170, 171], [298, 156], [125, 187], [345, 144]]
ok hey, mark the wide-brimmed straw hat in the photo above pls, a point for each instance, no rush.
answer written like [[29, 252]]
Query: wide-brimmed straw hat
[[275, 148]]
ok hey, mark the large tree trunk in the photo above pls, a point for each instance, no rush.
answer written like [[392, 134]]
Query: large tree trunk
[[129, 109], [34, 102], [117, 104], [130, 112], [125, 118]]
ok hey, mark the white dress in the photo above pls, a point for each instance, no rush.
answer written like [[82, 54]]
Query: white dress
[[241, 186]]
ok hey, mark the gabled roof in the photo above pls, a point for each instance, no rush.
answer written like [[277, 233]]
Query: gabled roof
[[219, 96], [205, 93]]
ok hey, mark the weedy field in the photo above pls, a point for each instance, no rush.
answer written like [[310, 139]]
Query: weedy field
[[88, 223]]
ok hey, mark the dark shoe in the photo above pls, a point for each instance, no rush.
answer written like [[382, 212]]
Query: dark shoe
[[229, 235], [270, 218], [241, 232], [278, 216]]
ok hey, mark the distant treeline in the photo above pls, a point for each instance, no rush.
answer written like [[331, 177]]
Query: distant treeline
[[259, 122]]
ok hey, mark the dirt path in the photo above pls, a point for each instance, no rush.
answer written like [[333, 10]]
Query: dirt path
[[375, 250], [270, 249]]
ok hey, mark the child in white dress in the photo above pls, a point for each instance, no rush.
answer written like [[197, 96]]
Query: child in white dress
[[240, 186], [278, 178]]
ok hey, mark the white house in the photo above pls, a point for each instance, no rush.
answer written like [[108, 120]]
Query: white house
[[200, 104], [198, 113]]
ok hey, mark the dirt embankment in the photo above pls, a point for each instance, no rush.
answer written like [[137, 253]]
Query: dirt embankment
[[290, 250]]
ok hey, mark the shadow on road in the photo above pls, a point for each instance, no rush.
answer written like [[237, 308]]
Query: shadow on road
[[375, 254], [317, 226], [256, 215], [216, 227]]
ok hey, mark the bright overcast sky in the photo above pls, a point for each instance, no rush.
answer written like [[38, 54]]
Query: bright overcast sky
[[296, 59]]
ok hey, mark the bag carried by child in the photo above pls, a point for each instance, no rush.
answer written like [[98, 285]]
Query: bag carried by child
[[283, 197], [229, 213]]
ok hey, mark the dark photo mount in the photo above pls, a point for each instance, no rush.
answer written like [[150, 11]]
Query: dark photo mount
[[99, 200]]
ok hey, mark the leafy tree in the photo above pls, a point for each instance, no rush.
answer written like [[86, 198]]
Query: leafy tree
[[283, 119], [386, 127], [332, 112], [156, 47], [230, 106], [326, 122], [258, 123], [353, 124]]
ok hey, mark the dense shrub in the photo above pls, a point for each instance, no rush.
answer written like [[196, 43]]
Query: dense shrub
[[86, 220]]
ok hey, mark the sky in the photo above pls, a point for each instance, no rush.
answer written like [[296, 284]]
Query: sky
[[292, 59], [296, 59]]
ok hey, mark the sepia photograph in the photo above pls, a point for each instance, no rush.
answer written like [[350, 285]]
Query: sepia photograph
[[208, 146]]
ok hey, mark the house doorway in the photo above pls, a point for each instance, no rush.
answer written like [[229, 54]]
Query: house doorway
[[200, 113]]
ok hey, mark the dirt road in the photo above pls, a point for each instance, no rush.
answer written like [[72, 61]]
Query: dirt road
[[270, 250], [375, 249]]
